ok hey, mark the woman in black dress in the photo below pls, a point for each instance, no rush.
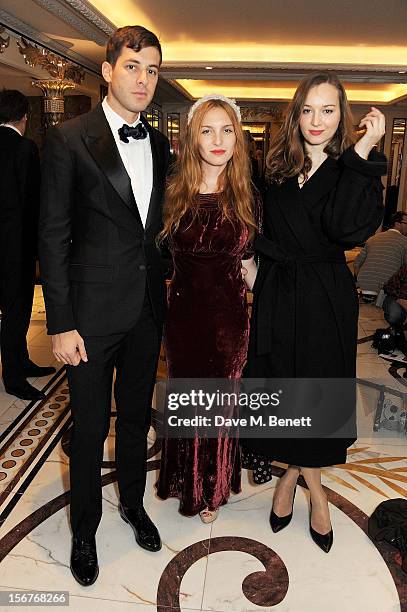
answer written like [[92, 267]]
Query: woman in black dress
[[325, 196]]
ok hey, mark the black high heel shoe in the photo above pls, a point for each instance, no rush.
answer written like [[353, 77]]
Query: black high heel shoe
[[324, 541], [278, 523]]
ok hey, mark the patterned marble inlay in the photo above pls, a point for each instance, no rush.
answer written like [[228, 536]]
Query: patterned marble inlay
[[27, 437], [236, 564]]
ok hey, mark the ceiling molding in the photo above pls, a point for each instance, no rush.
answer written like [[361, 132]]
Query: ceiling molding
[[167, 93], [92, 15], [187, 96], [82, 18], [286, 71], [267, 74], [21, 28]]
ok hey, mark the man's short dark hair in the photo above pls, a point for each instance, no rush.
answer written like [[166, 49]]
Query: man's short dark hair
[[133, 37], [13, 106], [398, 217]]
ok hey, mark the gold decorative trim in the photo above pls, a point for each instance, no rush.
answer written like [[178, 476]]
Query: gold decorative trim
[[54, 102], [56, 66], [373, 467]]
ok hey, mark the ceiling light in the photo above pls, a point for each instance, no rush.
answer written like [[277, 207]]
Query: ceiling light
[[205, 53], [383, 93], [208, 67]]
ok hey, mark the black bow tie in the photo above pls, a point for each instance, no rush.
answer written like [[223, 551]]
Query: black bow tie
[[138, 132]]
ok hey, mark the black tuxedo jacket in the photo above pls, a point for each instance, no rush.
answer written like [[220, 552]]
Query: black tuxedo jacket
[[19, 197], [96, 258]]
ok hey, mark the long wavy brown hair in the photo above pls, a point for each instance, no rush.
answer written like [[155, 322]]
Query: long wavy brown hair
[[236, 197], [287, 156]]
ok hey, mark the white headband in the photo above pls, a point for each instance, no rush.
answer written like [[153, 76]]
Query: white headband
[[232, 103]]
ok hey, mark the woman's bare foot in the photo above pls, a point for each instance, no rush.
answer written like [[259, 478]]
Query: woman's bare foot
[[208, 516]]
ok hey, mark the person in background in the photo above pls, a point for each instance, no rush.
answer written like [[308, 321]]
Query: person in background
[[19, 210], [395, 312], [255, 164], [395, 302], [383, 254]]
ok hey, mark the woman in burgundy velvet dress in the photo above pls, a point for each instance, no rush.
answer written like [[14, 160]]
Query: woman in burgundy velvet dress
[[208, 224]]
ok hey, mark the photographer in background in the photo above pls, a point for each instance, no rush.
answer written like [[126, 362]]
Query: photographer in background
[[19, 210], [381, 257], [395, 303]]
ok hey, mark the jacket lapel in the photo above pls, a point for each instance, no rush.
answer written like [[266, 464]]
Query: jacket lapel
[[157, 172], [320, 183], [292, 209], [102, 146], [294, 202]]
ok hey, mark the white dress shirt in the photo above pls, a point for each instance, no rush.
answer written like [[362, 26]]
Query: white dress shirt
[[137, 159]]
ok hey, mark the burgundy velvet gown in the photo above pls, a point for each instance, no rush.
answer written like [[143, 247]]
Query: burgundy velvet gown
[[206, 336]]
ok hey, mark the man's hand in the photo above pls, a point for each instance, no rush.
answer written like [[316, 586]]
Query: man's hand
[[69, 348]]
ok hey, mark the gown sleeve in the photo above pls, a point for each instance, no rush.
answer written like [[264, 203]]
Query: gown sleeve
[[258, 217], [166, 258], [355, 209]]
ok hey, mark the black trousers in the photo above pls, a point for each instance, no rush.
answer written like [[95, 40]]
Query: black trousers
[[17, 282], [134, 354]]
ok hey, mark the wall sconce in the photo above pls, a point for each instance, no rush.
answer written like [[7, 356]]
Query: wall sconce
[[4, 42]]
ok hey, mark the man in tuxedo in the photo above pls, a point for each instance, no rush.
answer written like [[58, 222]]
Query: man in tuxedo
[[103, 186], [19, 208]]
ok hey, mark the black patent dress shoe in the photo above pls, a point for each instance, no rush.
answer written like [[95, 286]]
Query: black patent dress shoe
[[323, 540], [278, 523], [84, 561], [25, 391], [146, 532], [32, 370]]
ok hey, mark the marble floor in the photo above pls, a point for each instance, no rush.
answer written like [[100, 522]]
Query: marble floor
[[236, 564]]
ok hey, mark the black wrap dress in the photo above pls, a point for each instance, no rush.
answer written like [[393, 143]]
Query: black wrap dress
[[305, 310]]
